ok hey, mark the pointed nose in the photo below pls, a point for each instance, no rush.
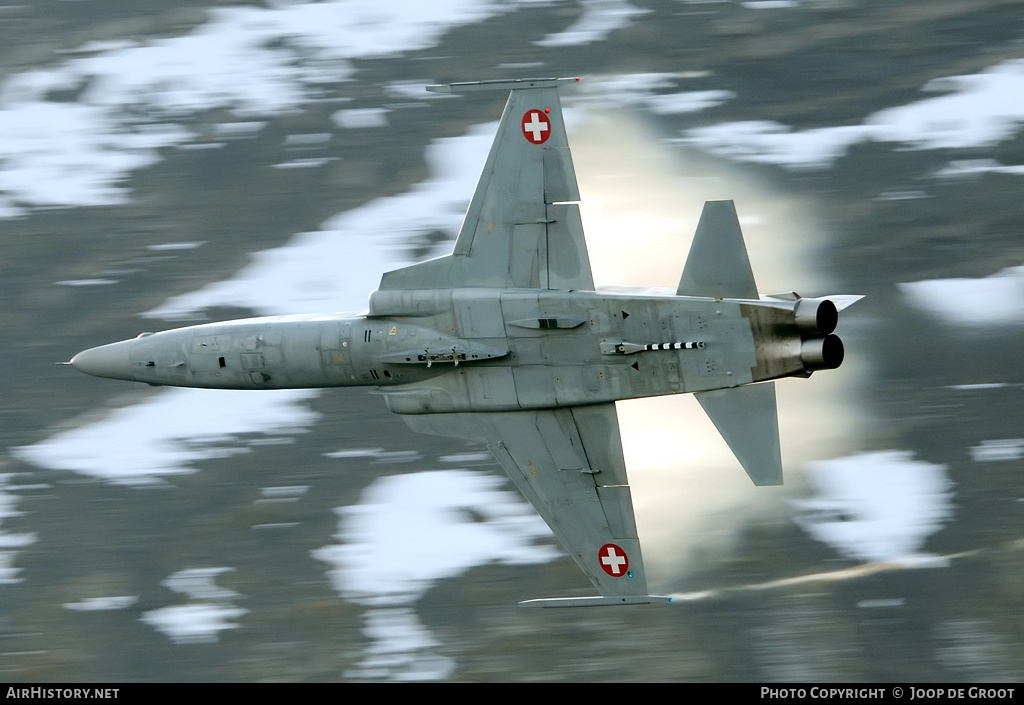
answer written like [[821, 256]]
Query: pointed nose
[[105, 361]]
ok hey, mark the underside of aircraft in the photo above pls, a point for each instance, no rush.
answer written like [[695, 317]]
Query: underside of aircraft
[[506, 342]]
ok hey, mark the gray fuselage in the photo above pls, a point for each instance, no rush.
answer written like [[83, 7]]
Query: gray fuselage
[[437, 351]]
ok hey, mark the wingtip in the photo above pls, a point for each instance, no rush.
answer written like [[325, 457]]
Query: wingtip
[[597, 601], [500, 84]]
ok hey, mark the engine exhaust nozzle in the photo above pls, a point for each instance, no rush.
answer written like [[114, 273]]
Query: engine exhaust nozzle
[[822, 353], [819, 315]]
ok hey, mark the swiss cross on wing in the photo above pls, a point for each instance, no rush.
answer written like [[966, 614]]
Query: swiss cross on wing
[[613, 560], [536, 126]]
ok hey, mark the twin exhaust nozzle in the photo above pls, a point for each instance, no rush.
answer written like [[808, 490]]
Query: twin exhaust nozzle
[[819, 317]]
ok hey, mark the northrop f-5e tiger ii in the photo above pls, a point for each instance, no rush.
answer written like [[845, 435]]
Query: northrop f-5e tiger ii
[[506, 342]]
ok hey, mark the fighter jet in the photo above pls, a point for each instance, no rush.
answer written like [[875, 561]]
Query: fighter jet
[[507, 343]]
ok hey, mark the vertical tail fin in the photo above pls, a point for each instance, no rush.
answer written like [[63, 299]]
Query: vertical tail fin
[[717, 265], [746, 416]]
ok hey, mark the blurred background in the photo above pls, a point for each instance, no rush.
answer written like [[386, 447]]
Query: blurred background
[[161, 166]]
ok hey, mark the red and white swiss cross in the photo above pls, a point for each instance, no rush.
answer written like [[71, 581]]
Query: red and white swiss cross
[[613, 560], [536, 126]]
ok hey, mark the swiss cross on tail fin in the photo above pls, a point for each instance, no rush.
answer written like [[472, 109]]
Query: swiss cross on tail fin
[[523, 228]]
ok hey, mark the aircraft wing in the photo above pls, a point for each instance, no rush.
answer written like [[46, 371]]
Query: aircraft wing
[[568, 463], [522, 229]]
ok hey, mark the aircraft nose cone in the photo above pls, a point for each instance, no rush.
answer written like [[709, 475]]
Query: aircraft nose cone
[[105, 361]]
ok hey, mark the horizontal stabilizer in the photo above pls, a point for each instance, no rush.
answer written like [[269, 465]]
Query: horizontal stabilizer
[[747, 419], [596, 601], [718, 266], [844, 300]]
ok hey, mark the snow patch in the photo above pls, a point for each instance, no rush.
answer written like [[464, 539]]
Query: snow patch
[[599, 19], [977, 167], [94, 604], [9, 541], [170, 432], [302, 276], [879, 506], [408, 532], [996, 300], [998, 450], [198, 622], [978, 110], [361, 118], [251, 61]]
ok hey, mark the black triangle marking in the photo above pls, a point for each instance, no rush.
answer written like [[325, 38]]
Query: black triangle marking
[[636, 366], [625, 315]]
